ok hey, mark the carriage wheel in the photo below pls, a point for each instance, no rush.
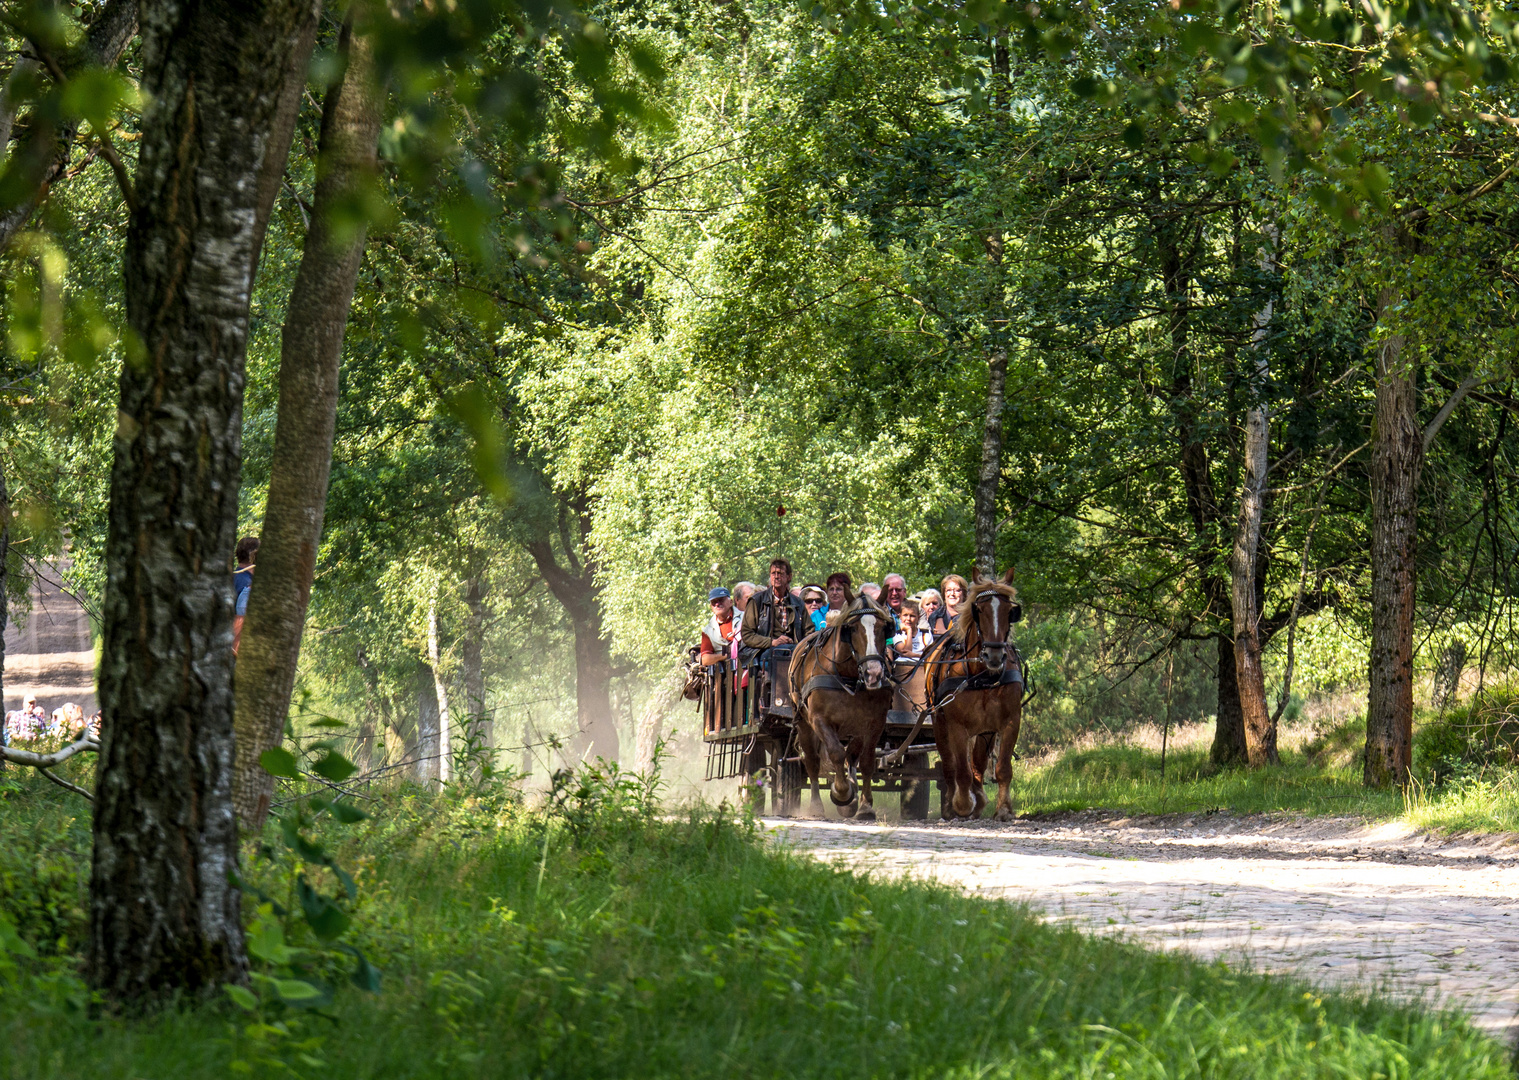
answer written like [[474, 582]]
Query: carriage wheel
[[915, 792]]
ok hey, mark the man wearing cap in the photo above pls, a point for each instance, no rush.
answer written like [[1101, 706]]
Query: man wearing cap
[[774, 617], [718, 635]]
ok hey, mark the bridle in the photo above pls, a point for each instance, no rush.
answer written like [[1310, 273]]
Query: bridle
[[832, 677]]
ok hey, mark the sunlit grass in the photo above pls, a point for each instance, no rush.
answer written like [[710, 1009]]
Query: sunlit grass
[[516, 943], [1318, 776]]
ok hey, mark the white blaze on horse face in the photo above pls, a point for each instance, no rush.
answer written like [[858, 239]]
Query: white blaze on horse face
[[868, 624], [996, 606]]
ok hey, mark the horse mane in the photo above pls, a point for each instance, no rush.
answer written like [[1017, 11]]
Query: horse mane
[[980, 588]]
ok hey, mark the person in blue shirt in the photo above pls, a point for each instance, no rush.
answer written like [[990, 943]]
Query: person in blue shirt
[[242, 585], [816, 601]]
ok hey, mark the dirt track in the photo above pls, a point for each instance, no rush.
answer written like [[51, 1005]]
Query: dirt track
[[1333, 901]]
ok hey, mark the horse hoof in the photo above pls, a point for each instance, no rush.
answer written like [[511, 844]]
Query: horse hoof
[[834, 797], [865, 813], [1005, 814], [847, 810]]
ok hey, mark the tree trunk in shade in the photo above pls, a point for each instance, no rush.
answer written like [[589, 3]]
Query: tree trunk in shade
[[311, 351], [1397, 460], [221, 81], [1250, 676], [1229, 728]]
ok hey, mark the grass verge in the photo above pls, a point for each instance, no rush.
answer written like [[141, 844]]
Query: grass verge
[[599, 939], [1322, 776]]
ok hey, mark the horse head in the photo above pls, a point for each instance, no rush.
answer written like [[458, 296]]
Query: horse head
[[867, 626], [989, 611]]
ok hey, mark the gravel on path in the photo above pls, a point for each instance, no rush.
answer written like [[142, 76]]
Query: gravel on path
[[1333, 901]]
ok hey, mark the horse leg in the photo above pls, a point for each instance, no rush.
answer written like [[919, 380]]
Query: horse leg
[[842, 792], [867, 810], [809, 746], [1007, 740], [981, 749], [963, 802]]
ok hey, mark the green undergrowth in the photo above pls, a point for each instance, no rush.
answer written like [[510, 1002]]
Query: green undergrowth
[[1466, 777], [602, 937]]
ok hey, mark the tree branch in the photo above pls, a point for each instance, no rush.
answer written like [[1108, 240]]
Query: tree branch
[[1433, 428]]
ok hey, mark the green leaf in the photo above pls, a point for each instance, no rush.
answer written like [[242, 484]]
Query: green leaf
[[1134, 135], [279, 762], [347, 813], [325, 918], [265, 941], [335, 767], [294, 990], [365, 975], [242, 997]]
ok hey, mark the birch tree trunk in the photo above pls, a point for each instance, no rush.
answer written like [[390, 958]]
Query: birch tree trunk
[[219, 80], [311, 351], [440, 690], [1397, 461], [1260, 731], [472, 660], [990, 475]]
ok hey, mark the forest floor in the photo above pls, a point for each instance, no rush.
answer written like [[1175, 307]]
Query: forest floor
[[1338, 902]]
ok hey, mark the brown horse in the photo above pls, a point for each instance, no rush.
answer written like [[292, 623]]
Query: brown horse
[[843, 693], [975, 687]]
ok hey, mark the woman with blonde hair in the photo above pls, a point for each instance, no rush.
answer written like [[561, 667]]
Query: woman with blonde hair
[[956, 589]]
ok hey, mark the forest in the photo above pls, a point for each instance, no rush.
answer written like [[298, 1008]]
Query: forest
[[512, 329]]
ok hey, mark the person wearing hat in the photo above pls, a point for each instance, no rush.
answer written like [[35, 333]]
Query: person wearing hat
[[717, 638], [815, 600]]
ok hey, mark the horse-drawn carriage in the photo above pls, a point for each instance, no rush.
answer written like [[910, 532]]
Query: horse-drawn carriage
[[837, 700]]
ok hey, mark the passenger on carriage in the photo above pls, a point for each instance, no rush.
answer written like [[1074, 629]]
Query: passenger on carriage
[[955, 591], [773, 618], [872, 590], [893, 593], [839, 594], [930, 603], [908, 643], [815, 600], [717, 637], [741, 593]]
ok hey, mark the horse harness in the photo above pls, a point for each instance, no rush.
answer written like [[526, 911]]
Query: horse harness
[[830, 680]]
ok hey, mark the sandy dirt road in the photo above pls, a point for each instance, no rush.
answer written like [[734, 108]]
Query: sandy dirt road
[[1333, 901]]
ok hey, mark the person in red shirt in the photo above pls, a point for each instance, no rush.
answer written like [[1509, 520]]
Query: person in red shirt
[[717, 637]]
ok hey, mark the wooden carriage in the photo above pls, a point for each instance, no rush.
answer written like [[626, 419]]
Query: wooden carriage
[[749, 725]]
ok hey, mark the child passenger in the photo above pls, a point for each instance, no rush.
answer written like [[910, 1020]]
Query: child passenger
[[908, 643]]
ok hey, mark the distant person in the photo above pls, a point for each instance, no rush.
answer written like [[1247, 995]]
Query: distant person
[[838, 589], [26, 724], [242, 586], [741, 593], [872, 590], [955, 591], [717, 639], [815, 600], [774, 617]]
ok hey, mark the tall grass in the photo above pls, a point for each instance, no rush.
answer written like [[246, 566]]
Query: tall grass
[[600, 938]]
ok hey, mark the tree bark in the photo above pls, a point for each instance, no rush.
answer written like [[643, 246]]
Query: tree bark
[[42, 156], [661, 700], [990, 475], [1250, 676], [1397, 461], [311, 351], [574, 585], [1229, 745], [445, 766], [427, 725], [165, 916], [472, 660]]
